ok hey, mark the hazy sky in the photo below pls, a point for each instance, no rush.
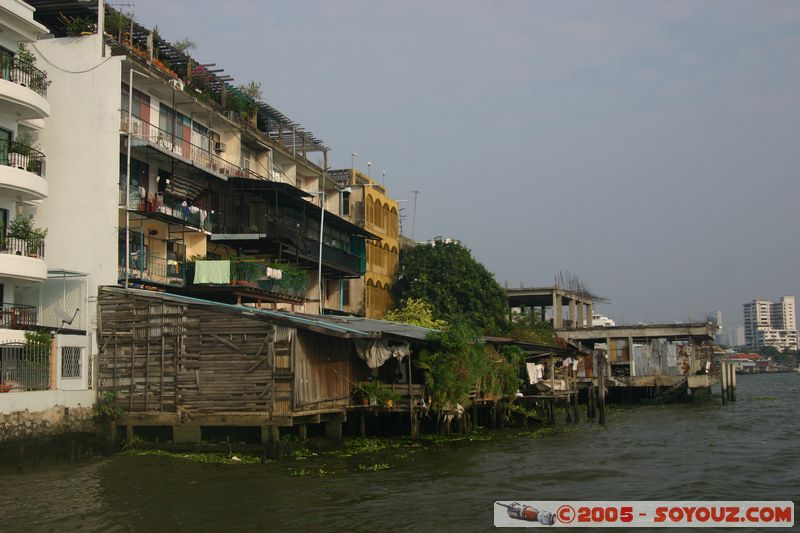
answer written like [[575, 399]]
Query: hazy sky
[[649, 147]]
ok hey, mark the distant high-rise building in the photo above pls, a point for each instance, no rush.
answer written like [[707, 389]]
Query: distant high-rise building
[[737, 336], [771, 324]]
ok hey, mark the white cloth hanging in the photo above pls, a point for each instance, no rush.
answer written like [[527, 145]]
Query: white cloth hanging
[[378, 351]]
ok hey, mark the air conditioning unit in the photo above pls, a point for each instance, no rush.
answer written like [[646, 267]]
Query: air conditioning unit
[[176, 84], [219, 146]]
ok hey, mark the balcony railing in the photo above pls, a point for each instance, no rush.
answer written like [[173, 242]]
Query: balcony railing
[[255, 274], [147, 267], [21, 156], [17, 316], [25, 74], [202, 157], [193, 216], [26, 247], [24, 367], [346, 260]]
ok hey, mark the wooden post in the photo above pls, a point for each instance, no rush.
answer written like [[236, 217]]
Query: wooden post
[[733, 383], [602, 390], [723, 378], [474, 415], [411, 421], [362, 427]]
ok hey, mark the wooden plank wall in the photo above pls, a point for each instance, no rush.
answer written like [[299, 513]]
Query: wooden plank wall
[[325, 369], [159, 356]]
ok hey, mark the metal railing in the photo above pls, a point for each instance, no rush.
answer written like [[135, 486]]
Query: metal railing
[[147, 267], [169, 143], [23, 73], [24, 367], [22, 156], [26, 247], [254, 273], [169, 207], [17, 316]]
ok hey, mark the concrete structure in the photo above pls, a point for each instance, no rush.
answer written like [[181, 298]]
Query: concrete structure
[[769, 323], [737, 337], [183, 183], [367, 204], [38, 378], [657, 355], [552, 303]]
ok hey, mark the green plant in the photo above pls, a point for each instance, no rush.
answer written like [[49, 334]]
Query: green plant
[[39, 338], [22, 227], [73, 26], [457, 287], [24, 55], [107, 410], [416, 312], [378, 391]]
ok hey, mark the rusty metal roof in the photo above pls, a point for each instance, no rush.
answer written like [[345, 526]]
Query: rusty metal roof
[[335, 326]]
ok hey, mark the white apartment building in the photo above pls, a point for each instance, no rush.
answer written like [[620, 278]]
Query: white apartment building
[[35, 374], [769, 323]]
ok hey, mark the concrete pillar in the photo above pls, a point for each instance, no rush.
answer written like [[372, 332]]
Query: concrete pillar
[[274, 433], [186, 433], [333, 430], [302, 431], [571, 313], [630, 356], [544, 313], [581, 323], [558, 313], [589, 313]]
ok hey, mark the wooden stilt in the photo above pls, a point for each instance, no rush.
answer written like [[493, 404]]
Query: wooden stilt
[[723, 378], [602, 390]]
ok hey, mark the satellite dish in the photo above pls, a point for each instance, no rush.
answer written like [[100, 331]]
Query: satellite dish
[[64, 316]]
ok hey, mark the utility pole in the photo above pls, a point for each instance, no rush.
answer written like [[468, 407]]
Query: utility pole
[[414, 215]]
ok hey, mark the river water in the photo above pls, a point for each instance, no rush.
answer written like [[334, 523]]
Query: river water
[[747, 450]]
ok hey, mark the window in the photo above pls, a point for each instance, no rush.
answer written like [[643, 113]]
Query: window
[[71, 361], [345, 209], [345, 292]]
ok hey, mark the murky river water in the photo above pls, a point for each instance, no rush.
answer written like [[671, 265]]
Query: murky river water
[[748, 450]]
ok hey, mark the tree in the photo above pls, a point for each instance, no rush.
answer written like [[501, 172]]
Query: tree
[[415, 312], [183, 45], [252, 89], [769, 351], [456, 285]]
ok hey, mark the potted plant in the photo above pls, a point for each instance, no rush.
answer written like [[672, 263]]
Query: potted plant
[[21, 227], [20, 154], [378, 393]]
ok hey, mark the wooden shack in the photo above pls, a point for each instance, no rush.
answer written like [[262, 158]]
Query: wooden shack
[[190, 366]]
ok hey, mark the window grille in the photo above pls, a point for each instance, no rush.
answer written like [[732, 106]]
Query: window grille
[[70, 362]]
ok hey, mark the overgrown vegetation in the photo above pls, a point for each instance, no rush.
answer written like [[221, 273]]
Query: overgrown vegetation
[[107, 409], [531, 327], [455, 285], [416, 312]]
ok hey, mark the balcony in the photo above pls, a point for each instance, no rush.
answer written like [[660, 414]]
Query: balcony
[[254, 277], [166, 209], [22, 172], [16, 316], [145, 134], [148, 268], [22, 259], [23, 89]]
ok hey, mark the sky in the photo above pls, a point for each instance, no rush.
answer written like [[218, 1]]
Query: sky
[[650, 148]]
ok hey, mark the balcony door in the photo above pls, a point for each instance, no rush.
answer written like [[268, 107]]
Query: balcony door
[[5, 145]]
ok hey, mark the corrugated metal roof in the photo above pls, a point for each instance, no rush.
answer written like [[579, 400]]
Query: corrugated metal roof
[[337, 326]]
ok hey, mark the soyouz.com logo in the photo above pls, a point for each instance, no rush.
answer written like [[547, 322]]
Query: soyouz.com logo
[[649, 514]]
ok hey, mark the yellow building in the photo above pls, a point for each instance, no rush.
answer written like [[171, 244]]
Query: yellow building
[[366, 203]]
